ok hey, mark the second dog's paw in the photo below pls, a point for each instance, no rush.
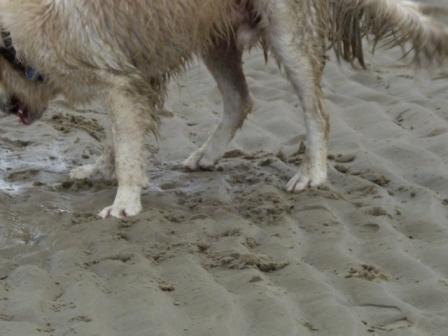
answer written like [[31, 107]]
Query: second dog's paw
[[307, 178], [82, 172], [89, 171]]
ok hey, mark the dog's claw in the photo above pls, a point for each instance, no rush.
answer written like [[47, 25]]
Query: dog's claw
[[105, 213], [119, 212], [192, 162], [198, 161], [127, 203], [306, 178], [298, 183]]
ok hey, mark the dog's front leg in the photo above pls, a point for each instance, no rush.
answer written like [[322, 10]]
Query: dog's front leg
[[130, 114]]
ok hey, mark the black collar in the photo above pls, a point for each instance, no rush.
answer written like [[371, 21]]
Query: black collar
[[9, 54]]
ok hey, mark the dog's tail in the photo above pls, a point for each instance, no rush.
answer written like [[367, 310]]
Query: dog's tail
[[390, 23]]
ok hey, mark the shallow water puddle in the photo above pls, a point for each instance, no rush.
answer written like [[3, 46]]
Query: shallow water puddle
[[25, 163]]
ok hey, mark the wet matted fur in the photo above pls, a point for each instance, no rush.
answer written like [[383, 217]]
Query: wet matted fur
[[124, 52]]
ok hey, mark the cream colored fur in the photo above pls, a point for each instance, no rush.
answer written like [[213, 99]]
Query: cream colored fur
[[124, 52]]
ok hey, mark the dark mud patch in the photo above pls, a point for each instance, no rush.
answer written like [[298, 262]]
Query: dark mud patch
[[66, 123], [367, 272]]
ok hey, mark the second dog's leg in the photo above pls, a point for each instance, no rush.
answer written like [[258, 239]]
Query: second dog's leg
[[224, 63], [104, 165], [132, 114]]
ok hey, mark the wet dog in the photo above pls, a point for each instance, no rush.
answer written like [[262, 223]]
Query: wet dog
[[124, 53]]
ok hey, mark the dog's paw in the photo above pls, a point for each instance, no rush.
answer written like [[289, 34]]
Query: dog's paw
[[89, 171], [127, 203], [198, 161], [82, 172], [121, 211], [307, 178]]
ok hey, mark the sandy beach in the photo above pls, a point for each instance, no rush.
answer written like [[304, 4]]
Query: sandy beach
[[229, 252]]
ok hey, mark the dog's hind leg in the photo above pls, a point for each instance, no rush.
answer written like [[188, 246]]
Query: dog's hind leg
[[132, 112], [303, 62], [225, 65]]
